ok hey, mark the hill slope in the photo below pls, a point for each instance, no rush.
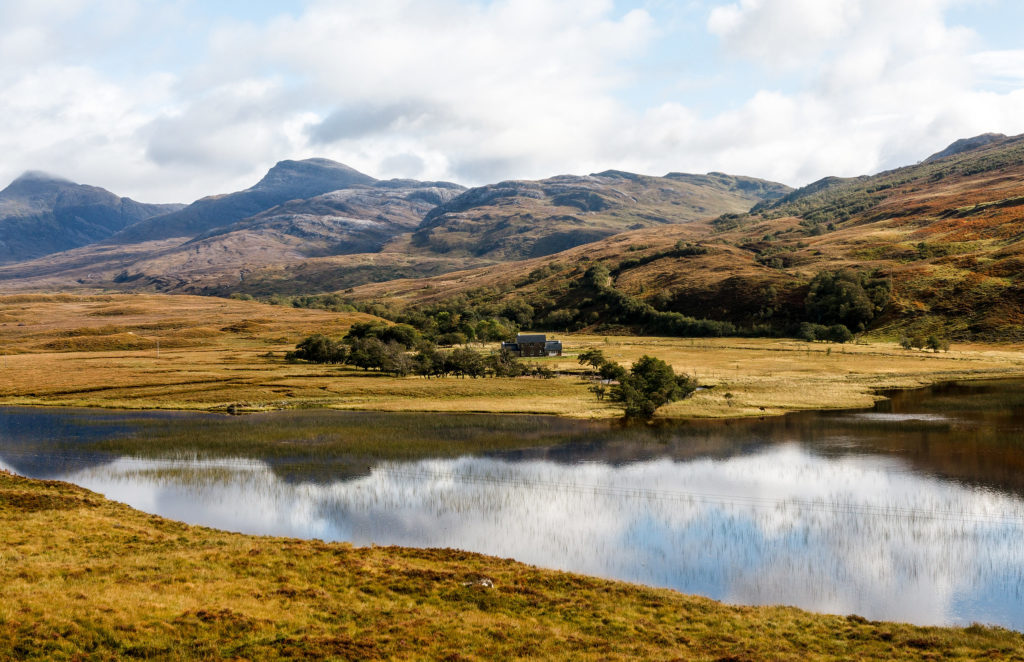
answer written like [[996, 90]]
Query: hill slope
[[947, 235], [42, 214], [522, 219]]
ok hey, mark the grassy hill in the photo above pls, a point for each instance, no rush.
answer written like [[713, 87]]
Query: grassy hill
[[946, 235]]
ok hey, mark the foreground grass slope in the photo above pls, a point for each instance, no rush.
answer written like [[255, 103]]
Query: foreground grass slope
[[101, 351], [86, 578]]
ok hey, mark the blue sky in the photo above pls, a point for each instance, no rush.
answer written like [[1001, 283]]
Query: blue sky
[[172, 100]]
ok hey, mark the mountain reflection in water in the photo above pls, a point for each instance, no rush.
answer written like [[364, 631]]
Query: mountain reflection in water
[[913, 511]]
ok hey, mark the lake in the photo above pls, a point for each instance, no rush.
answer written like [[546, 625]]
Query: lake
[[910, 511]]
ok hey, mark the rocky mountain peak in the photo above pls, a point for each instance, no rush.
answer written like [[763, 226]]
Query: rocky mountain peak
[[311, 177]]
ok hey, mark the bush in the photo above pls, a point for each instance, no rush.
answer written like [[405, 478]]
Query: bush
[[838, 333], [650, 384]]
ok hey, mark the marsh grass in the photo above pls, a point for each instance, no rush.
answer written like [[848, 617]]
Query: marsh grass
[[217, 353], [86, 578]]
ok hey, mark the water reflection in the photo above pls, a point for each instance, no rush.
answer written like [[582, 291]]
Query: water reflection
[[909, 512]]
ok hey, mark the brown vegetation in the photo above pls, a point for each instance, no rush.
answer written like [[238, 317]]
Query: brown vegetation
[[216, 354]]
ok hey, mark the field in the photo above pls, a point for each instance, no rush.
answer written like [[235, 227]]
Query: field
[[201, 353], [86, 578]]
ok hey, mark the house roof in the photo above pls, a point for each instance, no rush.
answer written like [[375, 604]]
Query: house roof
[[531, 337]]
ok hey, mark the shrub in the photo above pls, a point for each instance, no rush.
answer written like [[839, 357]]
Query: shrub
[[650, 384]]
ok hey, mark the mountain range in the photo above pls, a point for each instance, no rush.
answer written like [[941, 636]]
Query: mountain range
[[370, 230], [946, 233]]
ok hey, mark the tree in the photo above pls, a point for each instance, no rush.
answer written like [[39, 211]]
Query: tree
[[593, 357], [451, 338], [318, 348], [466, 362], [396, 361], [838, 333], [597, 277], [365, 330], [505, 364], [403, 334], [519, 312], [650, 384], [491, 330], [368, 353], [846, 297]]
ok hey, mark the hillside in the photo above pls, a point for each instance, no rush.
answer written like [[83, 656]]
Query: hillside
[[947, 235], [42, 214], [522, 219]]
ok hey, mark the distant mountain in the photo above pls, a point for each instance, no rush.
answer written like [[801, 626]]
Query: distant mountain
[[288, 180], [349, 220], [361, 216], [523, 219], [42, 214]]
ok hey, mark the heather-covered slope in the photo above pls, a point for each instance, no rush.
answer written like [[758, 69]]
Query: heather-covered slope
[[42, 214], [947, 234]]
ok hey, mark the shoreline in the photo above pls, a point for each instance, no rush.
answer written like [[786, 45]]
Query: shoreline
[[874, 392]]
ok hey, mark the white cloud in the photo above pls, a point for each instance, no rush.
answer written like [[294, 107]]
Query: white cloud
[[474, 91]]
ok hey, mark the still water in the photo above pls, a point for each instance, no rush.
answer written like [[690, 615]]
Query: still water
[[911, 511]]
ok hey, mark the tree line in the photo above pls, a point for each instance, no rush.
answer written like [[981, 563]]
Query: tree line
[[400, 350]]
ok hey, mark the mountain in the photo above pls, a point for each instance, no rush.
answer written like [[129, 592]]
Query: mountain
[[944, 238], [357, 220], [287, 234], [523, 219], [42, 214], [288, 180]]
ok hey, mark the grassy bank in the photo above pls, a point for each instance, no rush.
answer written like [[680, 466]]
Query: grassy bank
[[103, 351], [87, 578]]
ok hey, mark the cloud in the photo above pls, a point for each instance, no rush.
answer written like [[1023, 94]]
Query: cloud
[[168, 103]]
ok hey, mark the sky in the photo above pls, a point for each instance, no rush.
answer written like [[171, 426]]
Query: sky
[[171, 100]]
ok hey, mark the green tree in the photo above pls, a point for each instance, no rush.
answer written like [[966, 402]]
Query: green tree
[[846, 297], [593, 357], [505, 364], [318, 348], [403, 334], [650, 384], [838, 333], [466, 362]]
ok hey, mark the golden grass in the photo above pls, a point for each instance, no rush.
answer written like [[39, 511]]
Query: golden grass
[[86, 578], [215, 353]]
